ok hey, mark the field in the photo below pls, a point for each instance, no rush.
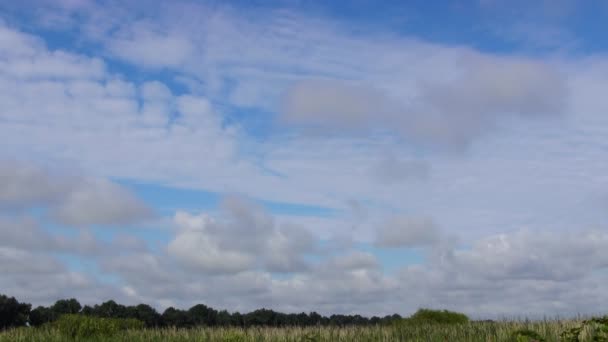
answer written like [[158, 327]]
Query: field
[[475, 331]]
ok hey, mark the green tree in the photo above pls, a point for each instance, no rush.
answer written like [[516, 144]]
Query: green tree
[[201, 314], [66, 306], [438, 316], [173, 317], [146, 314], [42, 315], [110, 309], [13, 313]]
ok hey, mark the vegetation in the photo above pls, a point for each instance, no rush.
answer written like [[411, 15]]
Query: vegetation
[[18, 314], [548, 331], [80, 326], [13, 313], [437, 317], [66, 320]]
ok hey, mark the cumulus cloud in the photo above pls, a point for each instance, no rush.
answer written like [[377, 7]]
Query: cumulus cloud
[[30, 234], [523, 272], [508, 274], [367, 93], [25, 185], [244, 237], [100, 202], [339, 284], [196, 249], [534, 273], [27, 58], [26, 233], [42, 279], [534, 256], [30, 273], [72, 200], [17, 261]]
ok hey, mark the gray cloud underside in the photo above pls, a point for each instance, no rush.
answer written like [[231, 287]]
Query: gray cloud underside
[[227, 260], [70, 199], [450, 112]]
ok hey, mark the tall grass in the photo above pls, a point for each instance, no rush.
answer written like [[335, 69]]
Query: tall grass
[[425, 332]]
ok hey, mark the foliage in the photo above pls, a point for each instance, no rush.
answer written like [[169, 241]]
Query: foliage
[[438, 317], [66, 306], [173, 317], [502, 331], [146, 314], [596, 329], [80, 326], [203, 315], [67, 319], [42, 315], [13, 313], [197, 316], [526, 335]]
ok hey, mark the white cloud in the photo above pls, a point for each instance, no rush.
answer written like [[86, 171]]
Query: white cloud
[[199, 150], [534, 255], [516, 172], [196, 249], [427, 93], [534, 273], [143, 45], [243, 238], [30, 234], [27, 58], [523, 272], [509, 274]]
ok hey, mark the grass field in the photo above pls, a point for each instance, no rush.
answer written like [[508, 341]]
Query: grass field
[[474, 331]]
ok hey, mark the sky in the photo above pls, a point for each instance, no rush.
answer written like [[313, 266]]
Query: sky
[[340, 157]]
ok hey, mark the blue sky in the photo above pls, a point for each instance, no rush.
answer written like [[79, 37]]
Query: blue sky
[[295, 154]]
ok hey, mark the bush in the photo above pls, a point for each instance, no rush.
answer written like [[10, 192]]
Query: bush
[[526, 335], [597, 329], [438, 317], [80, 326]]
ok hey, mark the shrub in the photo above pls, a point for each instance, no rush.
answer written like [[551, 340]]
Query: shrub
[[438, 316], [598, 329], [233, 337], [526, 335], [80, 326]]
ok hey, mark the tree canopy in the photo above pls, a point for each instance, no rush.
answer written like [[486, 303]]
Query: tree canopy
[[13, 313]]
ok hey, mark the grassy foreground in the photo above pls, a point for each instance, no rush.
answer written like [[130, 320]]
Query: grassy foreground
[[474, 331]]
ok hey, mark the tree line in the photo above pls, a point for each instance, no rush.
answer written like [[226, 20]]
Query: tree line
[[14, 314]]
